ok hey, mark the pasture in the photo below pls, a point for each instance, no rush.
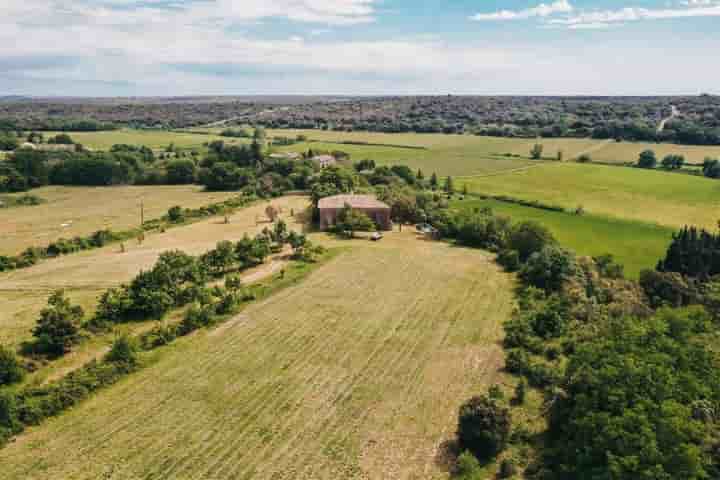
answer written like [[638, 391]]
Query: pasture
[[155, 139], [624, 152], [80, 211], [636, 245], [85, 275], [668, 199], [443, 154], [357, 372]]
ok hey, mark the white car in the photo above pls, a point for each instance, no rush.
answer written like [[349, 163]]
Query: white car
[[376, 236]]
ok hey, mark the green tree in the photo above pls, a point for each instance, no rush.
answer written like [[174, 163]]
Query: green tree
[[350, 221], [647, 159], [11, 371], [549, 268], [434, 181], [181, 172], [449, 186], [673, 162], [536, 151], [483, 427], [529, 237], [58, 328]]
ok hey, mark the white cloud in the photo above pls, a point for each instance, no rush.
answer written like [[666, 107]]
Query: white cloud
[[631, 14], [542, 10]]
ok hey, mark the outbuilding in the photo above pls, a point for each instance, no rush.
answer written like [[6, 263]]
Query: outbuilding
[[378, 211]]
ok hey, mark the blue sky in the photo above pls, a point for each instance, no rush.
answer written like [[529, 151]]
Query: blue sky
[[364, 47]]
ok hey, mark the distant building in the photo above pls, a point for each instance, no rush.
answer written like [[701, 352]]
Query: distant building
[[378, 211], [325, 160]]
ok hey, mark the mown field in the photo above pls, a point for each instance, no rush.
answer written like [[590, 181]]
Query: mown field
[[668, 199], [623, 152], [357, 372], [85, 275], [155, 139], [636, 245], [73, 211]]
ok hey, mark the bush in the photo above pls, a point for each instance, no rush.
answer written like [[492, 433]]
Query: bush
[[584, 158], [549, 268], [647, 159], [510, 259], [467, 467], [9, 421], [58, 327], [175, 214], [124, 350], [483, 427], [520, 392], [529, 237], [11, 371], [197, 317]]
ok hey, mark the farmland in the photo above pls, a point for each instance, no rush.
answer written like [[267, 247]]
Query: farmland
[[155, 139], [672, 200], [628, 152], [85, 275], [356, 372], [634, 244], [73, 211]]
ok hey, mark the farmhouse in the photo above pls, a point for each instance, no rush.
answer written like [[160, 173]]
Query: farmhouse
[[324, 160], [378, 211]]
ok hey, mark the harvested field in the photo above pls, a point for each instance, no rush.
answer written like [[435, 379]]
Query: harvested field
[[357, 372], [85, 275], [80, 211], [155, 139]]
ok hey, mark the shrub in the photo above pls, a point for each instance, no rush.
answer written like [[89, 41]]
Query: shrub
[[11, 371], [124, 350], [647, 159], [529, 237], [549, 268], [197, 317], [584, 158], [483, 427], [9, 421], [510, 259], [467, 467], [175, 214], [520, 392], [58, 327]]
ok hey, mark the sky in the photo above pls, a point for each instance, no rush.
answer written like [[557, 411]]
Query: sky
[[358, 47]]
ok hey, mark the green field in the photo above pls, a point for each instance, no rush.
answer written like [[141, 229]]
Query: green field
[[624, 152], [658, 197], [357, 372], [155, 139], [443, 154], [636, 245]]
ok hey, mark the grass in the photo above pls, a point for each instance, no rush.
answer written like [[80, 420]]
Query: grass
[[357, 371], [636, 245], [85, 275], [79, 211], [667, 199], [444, 154], [624, 152], [155, 139]]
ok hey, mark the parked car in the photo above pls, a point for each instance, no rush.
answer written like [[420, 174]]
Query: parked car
[[376, 236]]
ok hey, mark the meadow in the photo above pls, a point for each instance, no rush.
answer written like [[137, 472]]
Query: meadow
[[155, 139], [668, 199], [628, 152], [79, 211], [636, 245], [357, 372], [85, 275]]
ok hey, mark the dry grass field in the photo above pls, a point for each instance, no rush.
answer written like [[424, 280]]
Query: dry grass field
[[357, 372], [73, 211], [623, 152], [85, 275]]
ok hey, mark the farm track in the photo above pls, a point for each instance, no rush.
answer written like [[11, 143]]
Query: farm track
[[303, 384]]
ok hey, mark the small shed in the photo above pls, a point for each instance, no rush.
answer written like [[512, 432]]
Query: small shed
[[378, 211]]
